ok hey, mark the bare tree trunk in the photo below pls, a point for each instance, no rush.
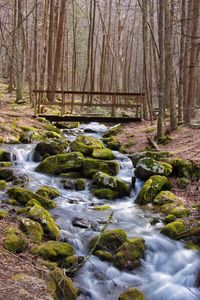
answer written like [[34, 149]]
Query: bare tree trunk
[[50, 53]]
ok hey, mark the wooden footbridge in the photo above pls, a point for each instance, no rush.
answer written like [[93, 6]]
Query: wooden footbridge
[[112, 107]]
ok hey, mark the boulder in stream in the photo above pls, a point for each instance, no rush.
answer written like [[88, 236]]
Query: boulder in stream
[[5, 155], [45, 149], [147, 167], [61, 163], [102, 180], [173, 228], [86, 144], [92, 166], [132, 294], [48, 192], [106, 154], [7, 174], [152, 188]]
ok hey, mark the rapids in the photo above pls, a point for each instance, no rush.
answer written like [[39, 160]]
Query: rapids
[[167, 272]]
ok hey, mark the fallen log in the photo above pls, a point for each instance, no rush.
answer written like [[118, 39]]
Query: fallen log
[[191, 232]]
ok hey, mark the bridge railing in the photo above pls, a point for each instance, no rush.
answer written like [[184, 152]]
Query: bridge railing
[[112, 100]]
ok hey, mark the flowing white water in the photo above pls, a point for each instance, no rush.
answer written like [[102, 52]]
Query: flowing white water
[[167, 272]]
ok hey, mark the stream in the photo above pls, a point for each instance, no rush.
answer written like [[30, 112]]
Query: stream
[[168, 270]]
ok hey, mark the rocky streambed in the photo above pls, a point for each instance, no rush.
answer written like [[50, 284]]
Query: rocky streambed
[[108, 220]]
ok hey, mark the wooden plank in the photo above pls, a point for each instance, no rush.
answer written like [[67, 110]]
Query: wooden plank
[[88, 119], [93, 104]]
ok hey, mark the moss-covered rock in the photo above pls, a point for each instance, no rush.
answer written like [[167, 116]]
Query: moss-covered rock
[[65, 287], [132, 294], [105, 193], [113, 131], [12, 202], [67, 125], [170, 218], [114, 145], [3, 185], [4, 155], [147, 167], [106, 154], [86, 144], [166, 197], [23, 196], [185, 168], [26, 137], [6, 174], [48, 192], [61, 163], [6, 164], [114, 246], [174, 228], [92, 166], [80, 184], [129, 253], [15, 241], [3, 214], [45, 149], [71, 175], [53, 250], [102, 180], [102, 207], [152, 188], [32, 229], [41, 215], [52, 135], [182, 183], [157, 155], [180, 212], [71, 263]]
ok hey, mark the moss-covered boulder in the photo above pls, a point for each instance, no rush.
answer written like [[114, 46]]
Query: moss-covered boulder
[[15, 241], [105, 193], [176, 208], [52, 135], [114, 145], [6, 174], [4, 164], [48, 192], [170, 218], [67, 125], [106, 154], [71, 175], [61, 163], [80, 184], [41, 215], [166, 197], [129, 253], [174, 228], [32, 229], [147, 167], [114, 246], [5, 155], [103, 180], [23, 196], [92, 166], [3, 185], [152, 188], [53, 250], [45, 149], [113, 131], [65, 288], [3, 214], [132, 294], [86, 144], [102, 207], [157, 155]]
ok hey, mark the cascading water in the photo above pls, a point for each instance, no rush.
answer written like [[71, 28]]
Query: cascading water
[[167, 272]]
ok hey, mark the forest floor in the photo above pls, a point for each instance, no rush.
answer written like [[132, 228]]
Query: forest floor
[[184, 143]]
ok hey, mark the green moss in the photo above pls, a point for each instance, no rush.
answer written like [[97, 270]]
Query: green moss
[[48, 192], [150, 130], [147, 167], [172, 229], [113, 131], [32, 229], [23, 196], [169, 218], [165, 197], [52, 135], [181, 167], [192, 246], [27, 128], [129, 253], [6, 174], [102, 207], [182, 183], [80, 184], [15, 241], [44, 149], [61, 163], [108, 139], [132, 294], [165, 140], [53, 250], [157, 155], [12, 202], [110, 240], [23, 211], [152, 188], [3, 185], [65, 287], [180, 212], [86, 144], [70, 262], [52, 128], [41, 120], [106, 154], [92, 166], [102, 180], [114, 145], [3, 214], [105, 193], [4, 164], [39, 214], [71, 175], [69, 125], [104, 255]]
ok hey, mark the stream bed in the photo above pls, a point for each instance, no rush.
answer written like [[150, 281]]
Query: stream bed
[[168, 270]]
